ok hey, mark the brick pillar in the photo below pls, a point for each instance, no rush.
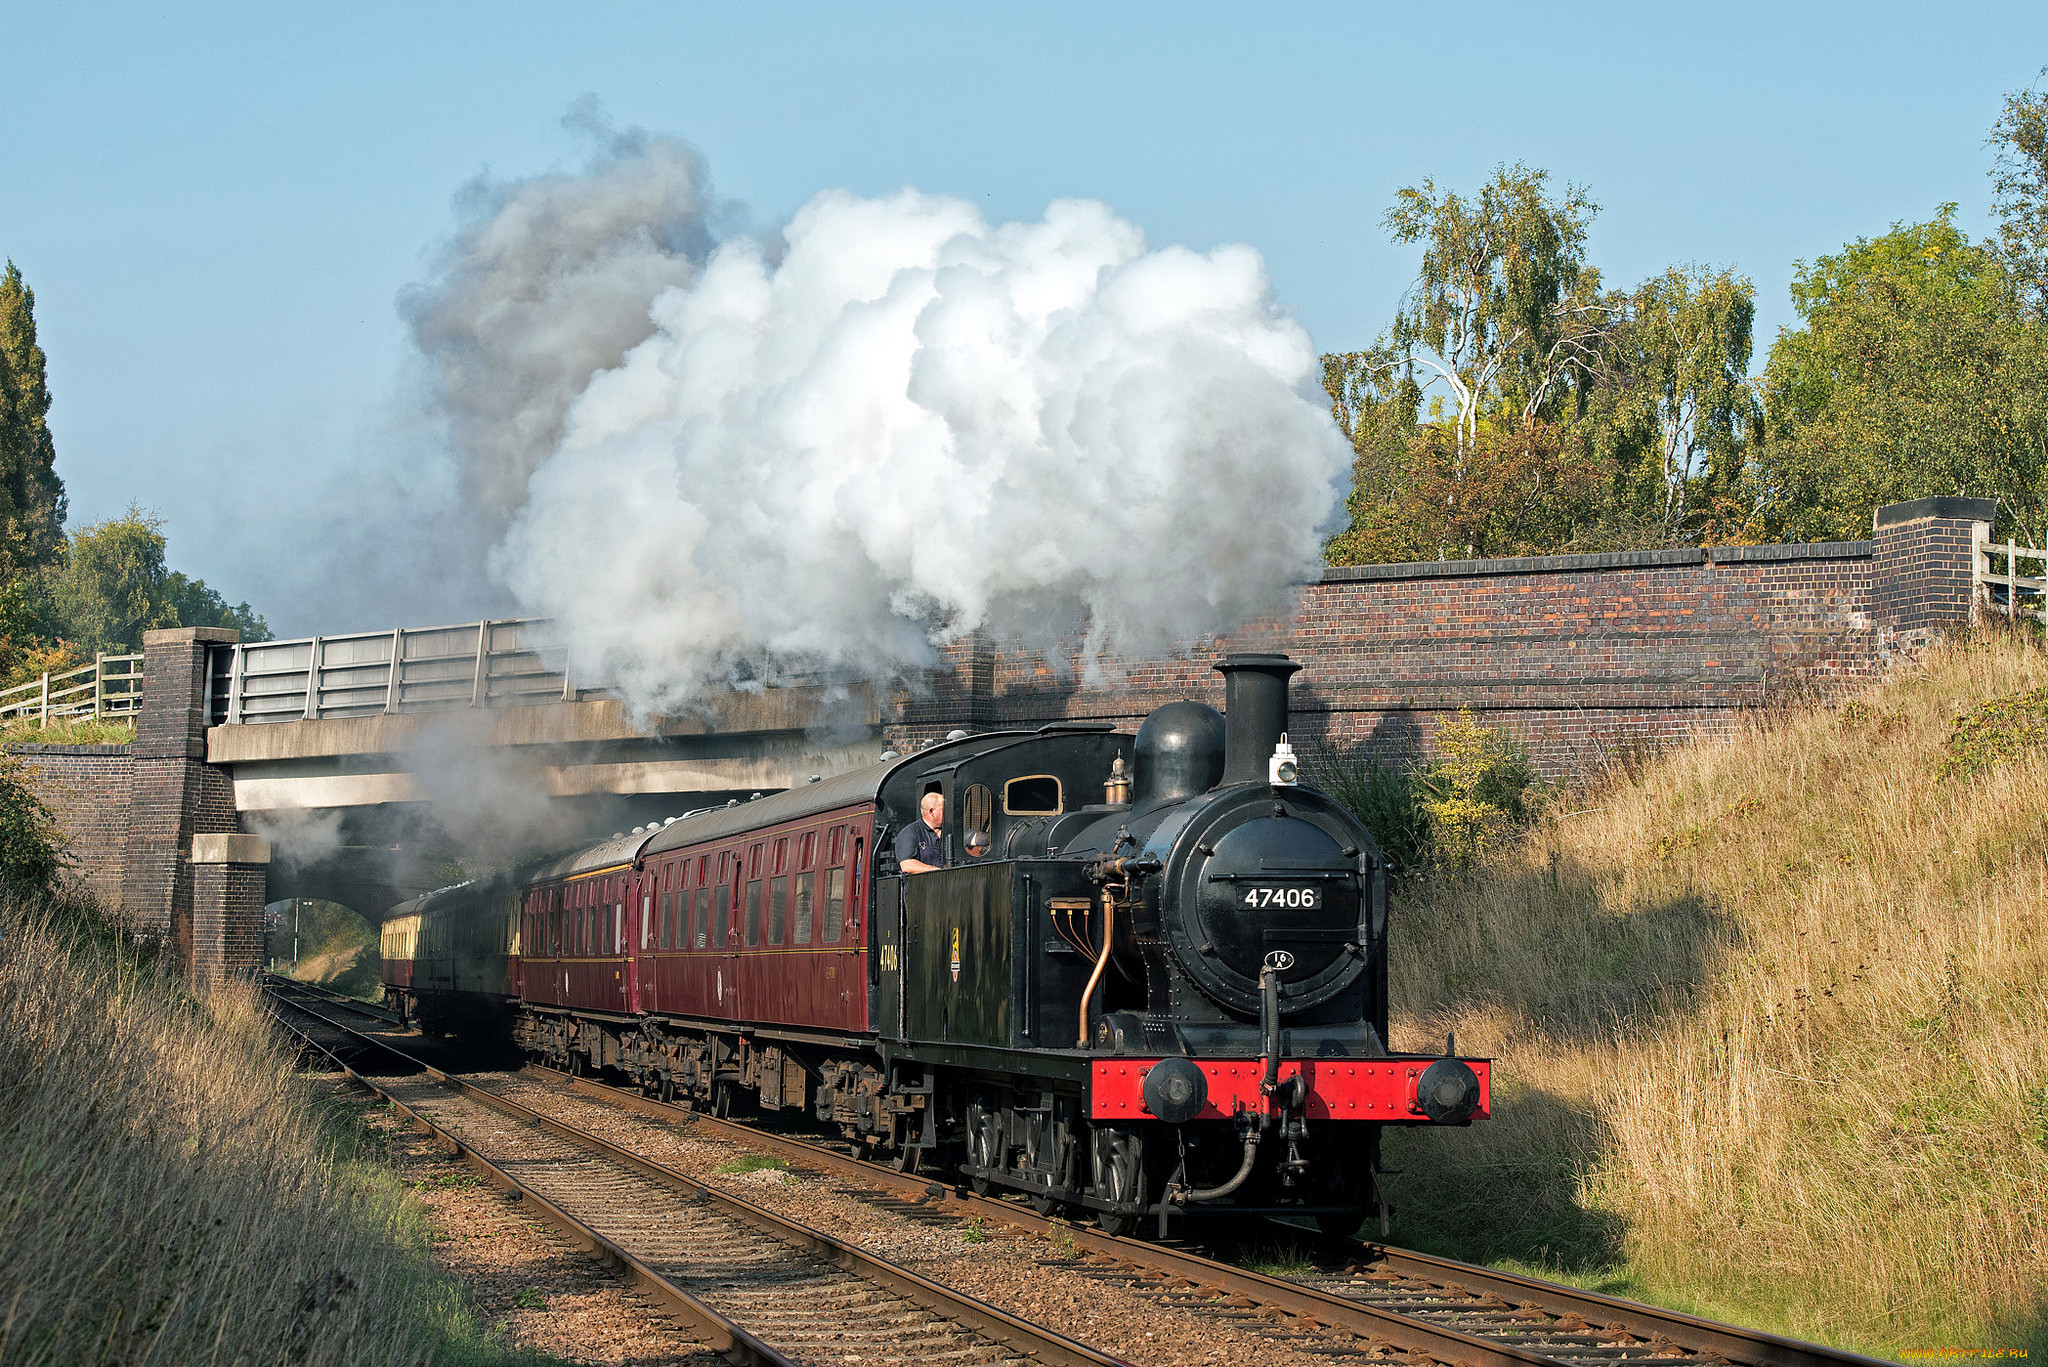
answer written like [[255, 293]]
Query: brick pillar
[[958, 694], [176, 796], [229, 873], [1922, 551]]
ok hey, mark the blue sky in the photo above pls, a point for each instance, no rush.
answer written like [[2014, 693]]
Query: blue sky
[[218, 208]]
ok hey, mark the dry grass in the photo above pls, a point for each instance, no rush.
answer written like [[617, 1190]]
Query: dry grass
[[80, 731], [1772, 1028], [171, 1193]]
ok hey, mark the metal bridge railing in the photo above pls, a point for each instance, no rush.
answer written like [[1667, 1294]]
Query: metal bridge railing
[[504, 663], [111, 686]]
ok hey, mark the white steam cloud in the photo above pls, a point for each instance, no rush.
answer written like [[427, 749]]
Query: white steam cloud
[[889, 424]]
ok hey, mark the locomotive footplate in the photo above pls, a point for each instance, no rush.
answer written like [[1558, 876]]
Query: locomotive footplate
[[1396, 1091]]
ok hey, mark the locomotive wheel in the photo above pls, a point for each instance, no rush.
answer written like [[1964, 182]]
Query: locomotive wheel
[[905, 1158], [1117, 1162], [984, 1141], [1041, 1150]]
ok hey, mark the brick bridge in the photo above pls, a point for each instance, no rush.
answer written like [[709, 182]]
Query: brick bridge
[[355, 767]]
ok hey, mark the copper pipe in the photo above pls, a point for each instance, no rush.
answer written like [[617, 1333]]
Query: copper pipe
[[1101, 962]]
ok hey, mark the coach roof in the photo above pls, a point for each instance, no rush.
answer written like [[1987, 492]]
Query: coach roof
[[608, 854], [865, 784]]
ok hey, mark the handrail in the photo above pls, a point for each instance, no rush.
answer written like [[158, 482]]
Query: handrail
[[1984, 577], [43, 700]]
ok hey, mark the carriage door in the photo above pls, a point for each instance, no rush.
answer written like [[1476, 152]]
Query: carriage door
[[639, 920]]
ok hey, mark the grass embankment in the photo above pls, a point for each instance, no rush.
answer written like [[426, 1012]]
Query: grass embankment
[[326, 943], [82, 731], [171, 1193], [1771, 1024]]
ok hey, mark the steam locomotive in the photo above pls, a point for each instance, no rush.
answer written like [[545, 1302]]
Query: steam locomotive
[[1150, 983]]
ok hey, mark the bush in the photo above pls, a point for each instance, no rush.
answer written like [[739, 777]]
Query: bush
[[1475, 791], [1382, 797], [32, 847], [1449, 812]]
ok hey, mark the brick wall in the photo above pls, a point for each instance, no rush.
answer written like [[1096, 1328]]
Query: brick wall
[[1580, 656], [87, 788]]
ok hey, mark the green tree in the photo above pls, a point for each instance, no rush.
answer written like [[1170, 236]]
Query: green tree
[[31, 494], [1673, 410], [1916, 371], [1457, 414], [198, 605], [115, 585], [2019, 185]]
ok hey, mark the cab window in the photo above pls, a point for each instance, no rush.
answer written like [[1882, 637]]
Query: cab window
[[1032, 795]]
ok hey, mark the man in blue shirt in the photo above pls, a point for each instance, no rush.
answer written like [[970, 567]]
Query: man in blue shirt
[[918, 847]]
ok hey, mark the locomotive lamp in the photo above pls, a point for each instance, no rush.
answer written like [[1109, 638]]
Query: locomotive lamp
[[1282, 770]]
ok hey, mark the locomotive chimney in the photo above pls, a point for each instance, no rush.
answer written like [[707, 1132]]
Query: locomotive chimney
[[1254, 712]]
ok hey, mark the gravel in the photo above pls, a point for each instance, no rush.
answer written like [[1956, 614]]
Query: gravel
[[529, 1288]]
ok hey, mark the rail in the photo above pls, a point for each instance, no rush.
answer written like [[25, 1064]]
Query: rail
[[508, 662], [498, 662], [111, 686], [2006, 593], [967, 1314], [1441, 1310]]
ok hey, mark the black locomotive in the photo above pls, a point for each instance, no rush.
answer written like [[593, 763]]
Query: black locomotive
[[1167, 1002]]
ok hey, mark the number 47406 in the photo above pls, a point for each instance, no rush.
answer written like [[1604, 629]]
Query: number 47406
[[1283, 897]]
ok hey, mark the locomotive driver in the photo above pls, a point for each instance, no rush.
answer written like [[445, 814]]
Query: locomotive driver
[[918, 848]]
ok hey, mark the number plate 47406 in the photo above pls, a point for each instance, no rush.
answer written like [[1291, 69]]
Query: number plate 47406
[[1304, 898]]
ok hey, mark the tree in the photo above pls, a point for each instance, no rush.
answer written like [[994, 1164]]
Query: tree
[[115, 585], [1457, 414], [31, 494], [1672, 408], [1504, 311], [1916, 372], [2019, 185]]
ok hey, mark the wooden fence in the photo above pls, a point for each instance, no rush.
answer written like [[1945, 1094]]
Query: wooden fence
[[2005, 592], [111, 686]]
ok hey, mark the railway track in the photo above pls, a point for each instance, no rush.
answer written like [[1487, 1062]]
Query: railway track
[[1367, 1301], [1392, 1302], [756, 1287]]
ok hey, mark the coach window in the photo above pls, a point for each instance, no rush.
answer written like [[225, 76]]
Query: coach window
[[721, 903], [703, 915], [778, 908], [754, 905], [835, 903], [781, 855], [835, 845], [754, 862], [803, 907], [805, 845], [1032, 795]]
